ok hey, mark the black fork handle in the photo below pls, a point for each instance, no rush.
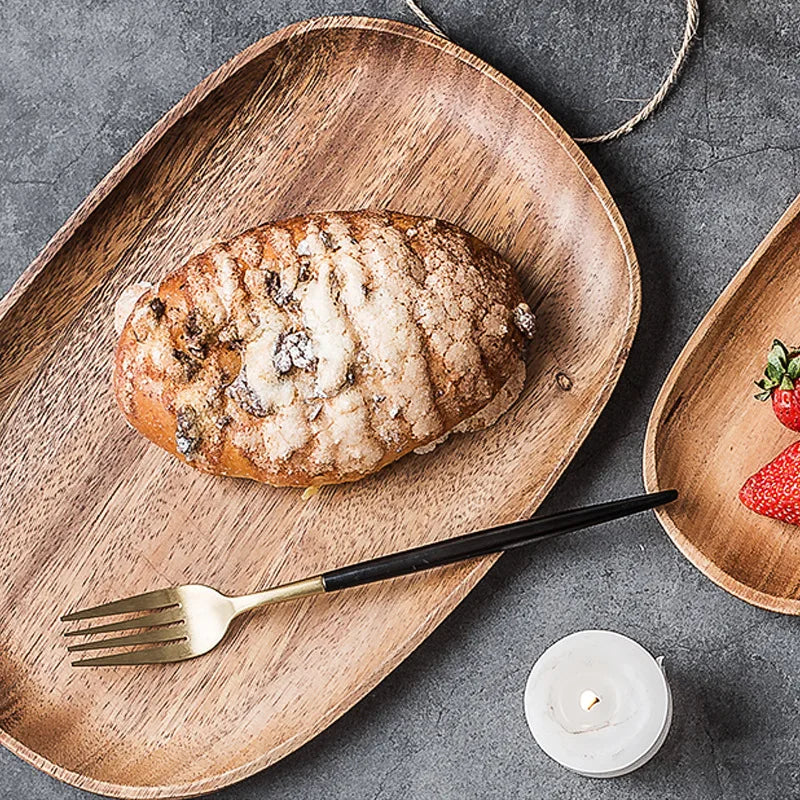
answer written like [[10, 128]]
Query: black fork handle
[[494, 540]]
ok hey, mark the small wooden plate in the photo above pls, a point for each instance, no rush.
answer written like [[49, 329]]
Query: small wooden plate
[[707, 434], [331, 113]]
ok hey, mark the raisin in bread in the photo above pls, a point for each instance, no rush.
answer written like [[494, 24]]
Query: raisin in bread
[[319, 349]]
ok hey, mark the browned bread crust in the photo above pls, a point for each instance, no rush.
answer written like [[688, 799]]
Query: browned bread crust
[[318, 349]]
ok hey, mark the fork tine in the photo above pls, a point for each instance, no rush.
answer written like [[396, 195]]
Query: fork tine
[[164, 617], [179, 651], [170, 634], [148, 601]]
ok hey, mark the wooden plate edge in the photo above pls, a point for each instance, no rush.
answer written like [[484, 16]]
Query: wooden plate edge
[[741, 590], [119, 172]]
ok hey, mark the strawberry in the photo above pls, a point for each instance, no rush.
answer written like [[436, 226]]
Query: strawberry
[[774, 490], [780, 384]]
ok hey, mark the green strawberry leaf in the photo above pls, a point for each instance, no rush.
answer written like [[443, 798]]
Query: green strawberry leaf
[[763, 395], [793, 368], [781, 346], [787, 383], [778, 356], [774, 373]]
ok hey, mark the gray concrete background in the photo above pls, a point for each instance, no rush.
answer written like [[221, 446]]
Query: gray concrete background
[[699, 186]]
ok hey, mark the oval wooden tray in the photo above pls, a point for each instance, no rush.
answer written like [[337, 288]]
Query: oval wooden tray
[[707, 434], [331, 113]]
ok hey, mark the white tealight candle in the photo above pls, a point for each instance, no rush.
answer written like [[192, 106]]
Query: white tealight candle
[[598, 703]]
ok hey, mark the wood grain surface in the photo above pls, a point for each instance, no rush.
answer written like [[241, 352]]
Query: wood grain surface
[[707, 434], [330, 113]]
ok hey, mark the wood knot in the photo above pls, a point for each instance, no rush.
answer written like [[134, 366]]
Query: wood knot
[[564, 381]]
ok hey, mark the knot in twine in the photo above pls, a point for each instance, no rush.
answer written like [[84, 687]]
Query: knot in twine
[[692, 18]]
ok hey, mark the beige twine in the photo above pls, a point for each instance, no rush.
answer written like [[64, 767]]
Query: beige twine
[[692, 18]]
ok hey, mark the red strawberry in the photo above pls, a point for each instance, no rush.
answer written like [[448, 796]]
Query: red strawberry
[[774, 490], [780, 383]]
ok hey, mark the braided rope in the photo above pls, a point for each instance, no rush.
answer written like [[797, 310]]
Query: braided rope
[[692, 19]]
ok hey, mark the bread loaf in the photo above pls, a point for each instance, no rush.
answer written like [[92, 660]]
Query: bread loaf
[[319, 349]]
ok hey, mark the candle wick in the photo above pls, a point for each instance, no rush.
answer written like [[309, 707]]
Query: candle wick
[[588, 700]]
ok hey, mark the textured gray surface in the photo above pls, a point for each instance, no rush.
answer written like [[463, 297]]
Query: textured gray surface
[[699, 186]]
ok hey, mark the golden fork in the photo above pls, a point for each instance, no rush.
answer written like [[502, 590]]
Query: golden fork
[[187, 621]]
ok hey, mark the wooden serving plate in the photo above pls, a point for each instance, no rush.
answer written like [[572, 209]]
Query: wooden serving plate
[[326, 114], [707, 434]]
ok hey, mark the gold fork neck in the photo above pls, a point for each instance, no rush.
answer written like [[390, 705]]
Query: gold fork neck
[[277, 594]]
